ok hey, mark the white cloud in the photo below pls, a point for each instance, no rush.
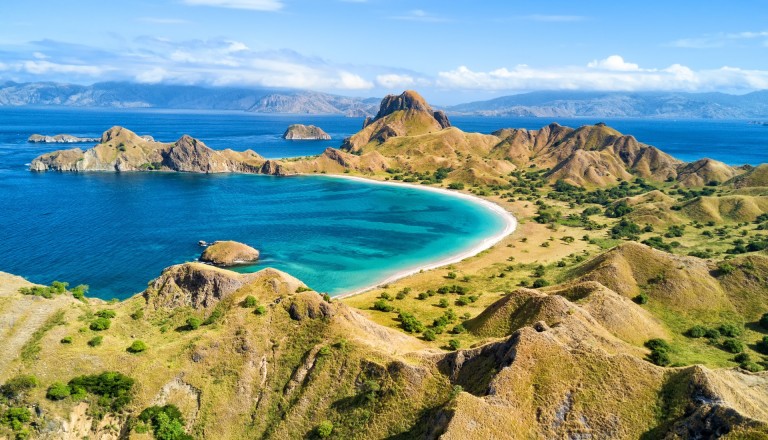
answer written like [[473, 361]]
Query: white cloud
[[254, 5], [42, 67], [395, 81], [614, 62], [612, 73]]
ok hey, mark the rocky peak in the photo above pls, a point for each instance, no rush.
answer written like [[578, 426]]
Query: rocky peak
[[408, 100], [118, 133]]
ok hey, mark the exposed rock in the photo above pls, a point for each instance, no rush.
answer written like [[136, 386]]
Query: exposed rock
[[229, 253], [305, 132], [194, 285], [60, 139]]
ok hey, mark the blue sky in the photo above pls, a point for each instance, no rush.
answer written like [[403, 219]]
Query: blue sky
[[450, 50]]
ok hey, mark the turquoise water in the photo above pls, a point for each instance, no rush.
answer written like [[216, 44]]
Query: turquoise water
[[116, 232]]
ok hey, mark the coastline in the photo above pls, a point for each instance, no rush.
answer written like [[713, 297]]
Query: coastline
[[510, 225]]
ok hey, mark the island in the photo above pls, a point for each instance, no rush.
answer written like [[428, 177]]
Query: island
[[630, 303], [229, 253], [59, 139], [300, 132]]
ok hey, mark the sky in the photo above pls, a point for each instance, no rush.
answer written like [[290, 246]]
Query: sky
[[451, 51]]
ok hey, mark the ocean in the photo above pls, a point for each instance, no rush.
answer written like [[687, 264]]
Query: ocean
[[115, 232]]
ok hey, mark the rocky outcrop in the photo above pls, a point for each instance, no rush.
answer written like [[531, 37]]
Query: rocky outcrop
[[59, 139], [229, 253], [122, 150], [407, 114], [305, 132], [192, 285]]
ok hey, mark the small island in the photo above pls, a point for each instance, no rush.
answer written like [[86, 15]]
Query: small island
[[300, 132], [59, 139], [229, 253]]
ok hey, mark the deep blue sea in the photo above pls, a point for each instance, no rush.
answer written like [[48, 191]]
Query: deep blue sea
[[116, 232]]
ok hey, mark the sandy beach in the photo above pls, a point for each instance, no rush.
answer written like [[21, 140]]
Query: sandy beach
[[510, 224]]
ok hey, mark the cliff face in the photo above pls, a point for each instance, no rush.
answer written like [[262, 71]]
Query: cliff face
[[305, 132]]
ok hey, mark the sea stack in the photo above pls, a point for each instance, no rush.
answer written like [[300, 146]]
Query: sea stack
[[302, 132], [229, 253]]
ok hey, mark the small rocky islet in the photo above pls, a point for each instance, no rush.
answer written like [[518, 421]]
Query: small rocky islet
[[301, 132], [229, 253]]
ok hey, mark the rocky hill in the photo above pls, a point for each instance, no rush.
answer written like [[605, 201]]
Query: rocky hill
[[407, 134], [130, 95]]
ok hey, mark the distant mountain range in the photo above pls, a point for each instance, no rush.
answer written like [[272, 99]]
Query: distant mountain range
[[265, 100], [130, 95], [621, 104]]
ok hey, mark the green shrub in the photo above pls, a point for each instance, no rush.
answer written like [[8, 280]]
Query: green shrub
[[423, 296], [742, 357], [79, 291], [109, 314], [250, 301], [641, 299], [429, 335], [764, 321], [540, 282], [660, 357], [324, 351], [456, 185], [215, 315], [712, 333], [324, 429], [454, 344], [96, 341], [137, 314], [724, 268], [193, 322], [751, 367], [260, 310], [58, 391], [730, 330], [733, 345], [137, 347], [382, 305], [100, 324], [66, 340], [443, 303], [16, 386], [114, 387], [166, 421], [462, 301], [458, 329], [409, 323], [697, 331], [658, 344]]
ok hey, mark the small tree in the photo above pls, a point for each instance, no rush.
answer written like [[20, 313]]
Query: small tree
[[193, 322], [324, 429], [250, 301], [454, 344], [137, 347], [100, 324], [733, 345], [58, 391], [697, 331]]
